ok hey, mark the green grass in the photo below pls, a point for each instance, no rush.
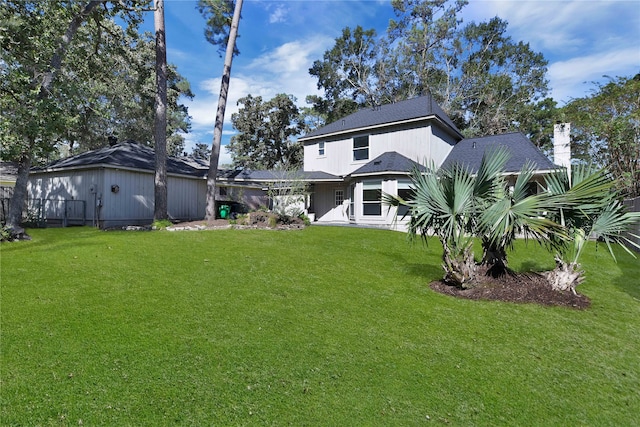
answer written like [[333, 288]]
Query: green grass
[[325, 326]]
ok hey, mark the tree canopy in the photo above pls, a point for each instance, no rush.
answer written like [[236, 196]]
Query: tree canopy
[[265, 133], [606, 129], [487, 82], [104, 86]]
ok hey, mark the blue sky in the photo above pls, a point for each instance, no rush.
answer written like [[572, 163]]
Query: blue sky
[[583, 40]]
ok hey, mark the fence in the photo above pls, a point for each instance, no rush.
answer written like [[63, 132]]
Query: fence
[[41, 212], [634, 206]]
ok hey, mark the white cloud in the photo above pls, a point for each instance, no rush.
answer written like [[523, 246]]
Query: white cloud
[[573, 77], [284, 69], [278, 15]]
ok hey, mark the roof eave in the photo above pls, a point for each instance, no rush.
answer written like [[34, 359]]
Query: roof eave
[[382, 125]]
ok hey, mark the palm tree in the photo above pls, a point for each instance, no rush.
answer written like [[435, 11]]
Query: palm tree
[[513, 214], [587, 204], [447, 204]]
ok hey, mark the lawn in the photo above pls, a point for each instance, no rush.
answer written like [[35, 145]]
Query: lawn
[[325, 326]]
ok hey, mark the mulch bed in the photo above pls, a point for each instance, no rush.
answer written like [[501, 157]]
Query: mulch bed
[[517, 288]]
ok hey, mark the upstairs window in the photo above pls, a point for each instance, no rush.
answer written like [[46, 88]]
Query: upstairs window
[[321, 149], [361, 148]]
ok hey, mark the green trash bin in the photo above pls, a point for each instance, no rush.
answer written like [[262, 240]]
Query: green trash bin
[[224, 211]]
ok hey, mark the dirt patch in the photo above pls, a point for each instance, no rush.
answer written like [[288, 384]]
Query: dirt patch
[[516, 288]]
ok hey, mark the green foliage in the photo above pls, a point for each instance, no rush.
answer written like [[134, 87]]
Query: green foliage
[[487, 82], [456, 206], [218, 14], [5, 233], [201, 151], [323, 326], [606, 130], [587, 203], [265, 133], [161, 224]]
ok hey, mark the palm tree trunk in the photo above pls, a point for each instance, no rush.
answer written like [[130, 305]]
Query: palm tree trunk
[[210, 214], [566, 276], [494, 258], [460, 269]]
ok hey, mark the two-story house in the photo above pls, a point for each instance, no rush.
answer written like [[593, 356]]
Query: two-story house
[[348, 164], [374, 151]]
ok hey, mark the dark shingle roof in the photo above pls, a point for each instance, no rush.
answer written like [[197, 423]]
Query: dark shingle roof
[[469, 152], [129, 155], [388, 162], [411, 109], [269, 175]]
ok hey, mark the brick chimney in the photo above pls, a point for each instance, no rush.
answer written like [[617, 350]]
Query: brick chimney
[[562, 145]]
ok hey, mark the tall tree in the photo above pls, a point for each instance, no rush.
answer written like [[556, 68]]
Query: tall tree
[[347, 69], [200, 151], [265, 133], [606, 129], [484, 80], [498, 82], [160, 126], [35, 54], [216, 7]]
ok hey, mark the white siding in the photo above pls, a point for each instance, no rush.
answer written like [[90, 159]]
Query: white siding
[[186, 198], [117, 197], [49, 190], [132, 204], [421, 143]]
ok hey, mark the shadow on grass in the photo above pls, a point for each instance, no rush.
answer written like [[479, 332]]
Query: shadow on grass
[[55, 242], [629, 280]]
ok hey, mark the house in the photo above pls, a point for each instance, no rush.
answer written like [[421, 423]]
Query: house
[[114, 186], [374, 150], [348, 164]]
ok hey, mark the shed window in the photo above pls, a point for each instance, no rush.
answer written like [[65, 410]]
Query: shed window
[[321, 149]]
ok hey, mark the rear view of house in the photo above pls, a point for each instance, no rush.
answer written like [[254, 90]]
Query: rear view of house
[[374, 150]]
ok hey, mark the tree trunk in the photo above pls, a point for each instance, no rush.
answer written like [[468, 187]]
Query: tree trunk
[[19, 197], [459, 270], [494, 258], [222, 104], [565, 276], [160, 125]]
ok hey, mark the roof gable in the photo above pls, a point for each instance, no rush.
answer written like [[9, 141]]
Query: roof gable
[[469, 152], [422, 107]]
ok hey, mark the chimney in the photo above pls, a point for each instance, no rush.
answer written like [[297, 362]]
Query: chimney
[[561, 145]]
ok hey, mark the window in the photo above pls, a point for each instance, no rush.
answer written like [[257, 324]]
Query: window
[[321, 149], [339, 197], [223, 191], [406, 193], [371, 198], [361, 148]]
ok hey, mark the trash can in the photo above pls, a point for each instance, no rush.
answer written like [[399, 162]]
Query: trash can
[[224, 211]]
